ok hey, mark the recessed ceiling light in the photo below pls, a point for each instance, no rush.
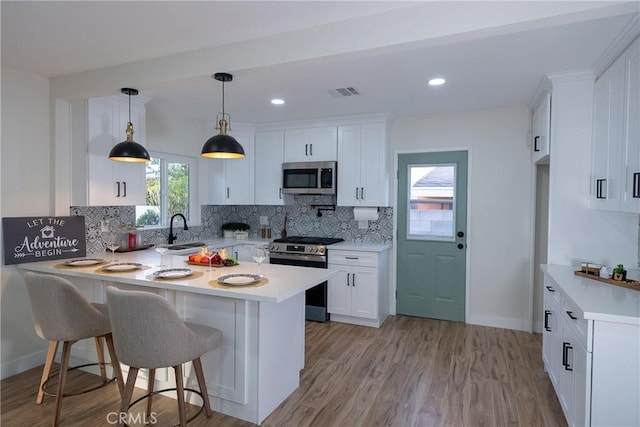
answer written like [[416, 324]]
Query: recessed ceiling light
[[436, 82], [277, 101]]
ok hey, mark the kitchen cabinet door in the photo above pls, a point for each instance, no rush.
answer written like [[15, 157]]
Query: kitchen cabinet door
[[316, 144], [362, 165], [113, 183], [542, 131], [552, 336], [230, 182], [269, 149], [364, 292], [631, 172], [338, 293], [576, 374]]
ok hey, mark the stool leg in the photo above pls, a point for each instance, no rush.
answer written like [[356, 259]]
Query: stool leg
[[197, 366], [180, 386], [100, 352], [128, 393], [152, 379], [64, 363], [51, 354], [115, 363]]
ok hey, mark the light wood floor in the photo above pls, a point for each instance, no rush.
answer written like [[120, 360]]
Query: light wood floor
[[410, 372]]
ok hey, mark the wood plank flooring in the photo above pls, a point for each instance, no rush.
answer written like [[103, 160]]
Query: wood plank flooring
[[410, 372]]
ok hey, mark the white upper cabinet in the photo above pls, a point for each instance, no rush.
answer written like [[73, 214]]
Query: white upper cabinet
[[616, 135], [97, 125], [362, 165], [230, 182], [269, 157], [542, 131], [317, 144]]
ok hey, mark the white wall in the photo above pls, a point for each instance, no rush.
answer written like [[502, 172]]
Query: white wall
[[577, 232], [26, 191], [500, 205]]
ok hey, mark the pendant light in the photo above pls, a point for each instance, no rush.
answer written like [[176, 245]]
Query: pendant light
[[129, 150], [222, 146]]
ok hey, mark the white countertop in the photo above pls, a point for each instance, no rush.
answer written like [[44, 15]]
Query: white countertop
[[597, 300], [363, 247], [283, 281]]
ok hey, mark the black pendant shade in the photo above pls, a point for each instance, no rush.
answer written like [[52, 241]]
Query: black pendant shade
[[222, 146], [129, 150]]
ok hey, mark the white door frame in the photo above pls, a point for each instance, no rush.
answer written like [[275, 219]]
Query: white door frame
[[394, 249]]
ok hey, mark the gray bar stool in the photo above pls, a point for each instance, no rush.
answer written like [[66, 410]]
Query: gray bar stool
[[62, 313], [148, 333]]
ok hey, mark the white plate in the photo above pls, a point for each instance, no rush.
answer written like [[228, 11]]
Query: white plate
[[83, 262], [173, 273], [238, 279], [122, 266]]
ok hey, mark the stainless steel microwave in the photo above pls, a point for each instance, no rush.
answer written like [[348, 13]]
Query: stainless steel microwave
[[309, 178]]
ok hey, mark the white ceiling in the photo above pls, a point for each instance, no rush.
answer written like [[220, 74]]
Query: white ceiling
[[483, 70]]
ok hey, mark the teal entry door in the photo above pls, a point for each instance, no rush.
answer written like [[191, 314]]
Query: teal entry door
[[432, 235]]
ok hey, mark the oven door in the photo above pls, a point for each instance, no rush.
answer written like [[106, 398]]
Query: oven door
[[316, 297]]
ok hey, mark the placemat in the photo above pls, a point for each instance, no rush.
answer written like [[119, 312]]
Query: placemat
[[194, 275], [216, 284], [101, 271]]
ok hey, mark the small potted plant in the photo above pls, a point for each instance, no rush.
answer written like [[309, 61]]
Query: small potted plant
[[238, 230], [619, 273], [242, 231], [229, 230]]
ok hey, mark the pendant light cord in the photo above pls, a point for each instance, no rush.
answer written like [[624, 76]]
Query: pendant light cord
[[223, 99], [129, 107]]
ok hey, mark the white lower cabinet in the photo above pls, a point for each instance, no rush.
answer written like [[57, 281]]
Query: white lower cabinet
[[594, 365], [357, 294]]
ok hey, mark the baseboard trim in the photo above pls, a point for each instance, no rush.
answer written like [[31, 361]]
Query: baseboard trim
[[21, 364]]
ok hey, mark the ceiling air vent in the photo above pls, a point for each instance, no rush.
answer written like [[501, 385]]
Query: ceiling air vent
[[344, 91]]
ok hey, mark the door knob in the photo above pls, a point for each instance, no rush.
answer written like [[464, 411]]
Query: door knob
[[460, 246], [460, 234]]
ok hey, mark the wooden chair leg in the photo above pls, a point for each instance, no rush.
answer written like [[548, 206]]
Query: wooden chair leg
[[100, 353], [182, 411], [64, 364], [51, 354], [128, 393], [150, 384], [115, 363], [197, 366]]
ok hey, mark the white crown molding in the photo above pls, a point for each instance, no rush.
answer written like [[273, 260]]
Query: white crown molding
[[628, 34]]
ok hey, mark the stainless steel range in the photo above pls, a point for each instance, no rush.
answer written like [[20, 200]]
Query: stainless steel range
[[306, 252]]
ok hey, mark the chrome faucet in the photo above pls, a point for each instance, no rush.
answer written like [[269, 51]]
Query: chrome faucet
[[173, 237]]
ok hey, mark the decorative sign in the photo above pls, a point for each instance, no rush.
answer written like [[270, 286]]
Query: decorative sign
[[31, 239]]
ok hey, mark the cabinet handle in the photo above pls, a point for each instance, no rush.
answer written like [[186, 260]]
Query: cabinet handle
[[306, 149], [353, 279], [227, 192], [280, 193], [362, 193], [351, 257], [236, 254], [357, 193], [600, 194], [565, 356], [636, 185], [124, 186], [550, 289], [535, 144], [118, 184], [547, 313], [348, 284], [571, 316], [311, 149]]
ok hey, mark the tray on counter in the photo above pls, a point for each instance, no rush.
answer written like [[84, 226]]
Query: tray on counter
[[629, 284], [137, 248]]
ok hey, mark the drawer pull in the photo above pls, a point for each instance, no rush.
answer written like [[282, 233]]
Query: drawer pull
[[550, 289], [351, 257], [571, 316], [547, 313]]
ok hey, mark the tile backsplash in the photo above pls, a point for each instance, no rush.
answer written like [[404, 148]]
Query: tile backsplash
[[302, 219]]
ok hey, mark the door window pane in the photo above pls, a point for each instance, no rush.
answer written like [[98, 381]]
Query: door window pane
[[150, 213], [431, 202]]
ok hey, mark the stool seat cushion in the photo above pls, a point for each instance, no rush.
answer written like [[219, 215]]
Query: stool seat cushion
[[148, 333], [61, 312]]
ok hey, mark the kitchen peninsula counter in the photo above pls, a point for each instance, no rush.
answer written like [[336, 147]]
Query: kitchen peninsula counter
[[258, 365]]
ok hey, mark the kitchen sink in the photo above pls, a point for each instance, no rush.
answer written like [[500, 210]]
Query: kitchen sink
[[180, 246]]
